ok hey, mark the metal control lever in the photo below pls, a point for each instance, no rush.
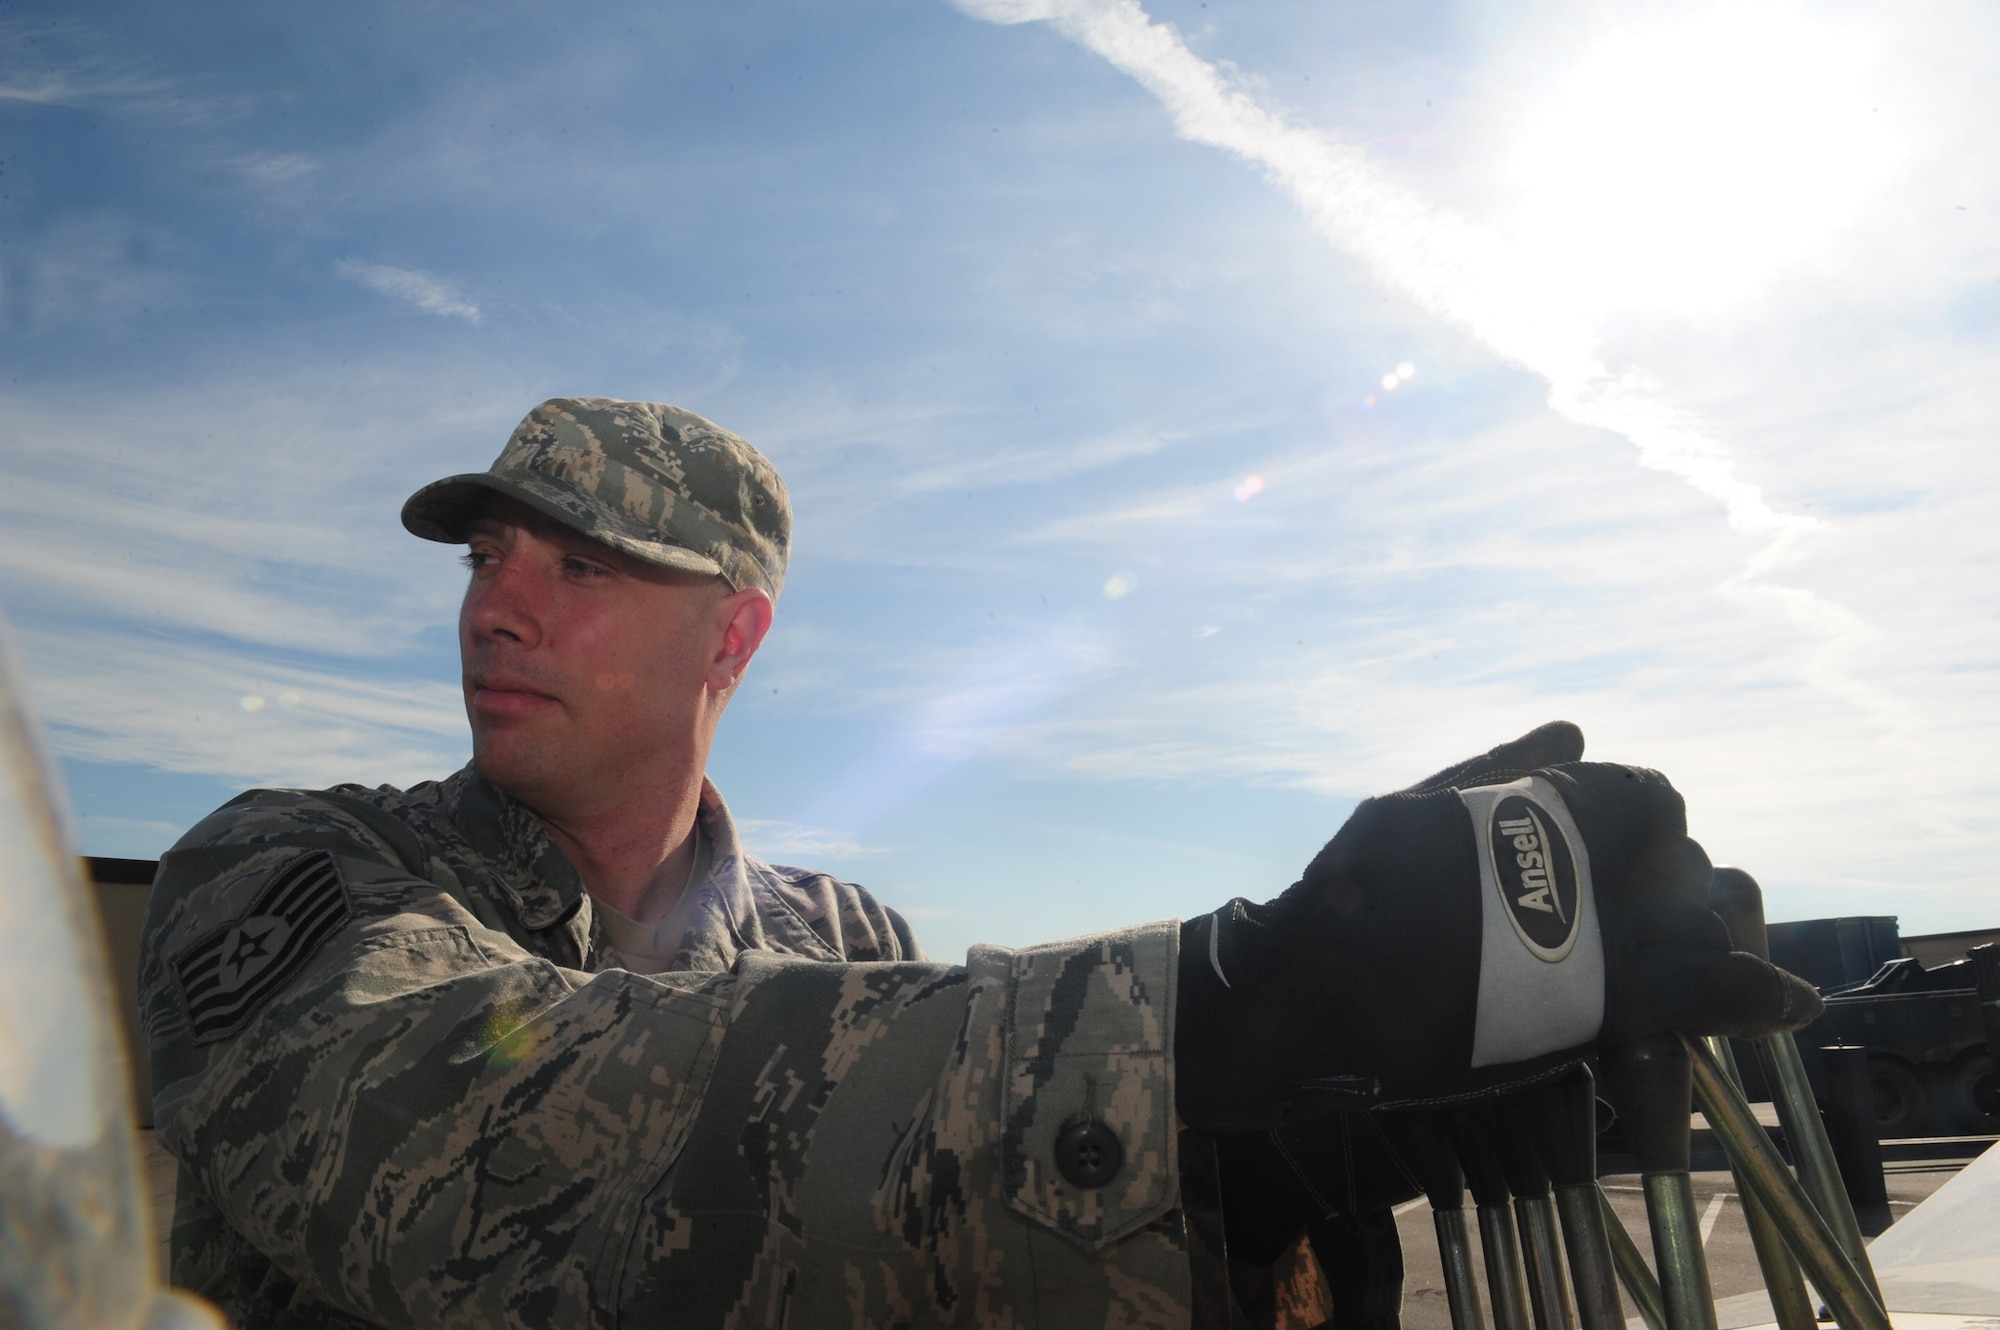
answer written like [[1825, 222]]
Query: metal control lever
[[1651, 1085], [1476, 1133], [1735, 895], [1436, 1162], [1535, 1216], [1561, 1118], [1763, 1174], [1633, 1271], [1791, 1305]]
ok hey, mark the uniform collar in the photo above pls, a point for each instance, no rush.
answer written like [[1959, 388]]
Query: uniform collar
[[544, 889], [724, 915], [538, 882]]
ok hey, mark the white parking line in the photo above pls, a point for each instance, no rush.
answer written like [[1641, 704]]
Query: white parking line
[[1710, 1215]]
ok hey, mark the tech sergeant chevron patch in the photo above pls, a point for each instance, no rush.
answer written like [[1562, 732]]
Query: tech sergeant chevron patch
[[229, 973]]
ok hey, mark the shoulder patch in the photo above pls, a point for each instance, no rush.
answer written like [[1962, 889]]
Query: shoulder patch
[[230, 973]]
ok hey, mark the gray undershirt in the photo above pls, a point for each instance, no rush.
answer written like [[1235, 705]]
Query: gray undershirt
[[651, 948]]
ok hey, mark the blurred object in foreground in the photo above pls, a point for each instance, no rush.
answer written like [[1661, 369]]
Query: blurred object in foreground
[[76, 1244]]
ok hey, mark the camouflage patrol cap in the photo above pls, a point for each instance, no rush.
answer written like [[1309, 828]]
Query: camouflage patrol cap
[[657, 482]]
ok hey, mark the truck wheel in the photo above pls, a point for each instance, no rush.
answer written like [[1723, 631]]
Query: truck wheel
[[1900, 1102], [1975, 1095]]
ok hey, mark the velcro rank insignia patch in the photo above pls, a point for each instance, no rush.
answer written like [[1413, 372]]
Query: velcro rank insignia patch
[[230, 973]]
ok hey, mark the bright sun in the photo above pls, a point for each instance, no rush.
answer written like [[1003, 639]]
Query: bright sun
[[1681, 162]]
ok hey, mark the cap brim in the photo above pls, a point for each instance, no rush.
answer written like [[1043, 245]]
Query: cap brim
[[444, 511]]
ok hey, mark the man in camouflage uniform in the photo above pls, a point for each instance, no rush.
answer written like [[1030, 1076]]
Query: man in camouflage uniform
[[541, 1044]]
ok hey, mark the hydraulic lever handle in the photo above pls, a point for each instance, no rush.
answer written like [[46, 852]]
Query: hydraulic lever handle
[[1791, 1305], [1561, 1118], [1735, 895], [1534, 1215], [1650, 1084], [1475, 1131], [1856, 1305], [1436, 1162]]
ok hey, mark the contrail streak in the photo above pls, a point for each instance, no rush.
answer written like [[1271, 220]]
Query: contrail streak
[[1475, 279]]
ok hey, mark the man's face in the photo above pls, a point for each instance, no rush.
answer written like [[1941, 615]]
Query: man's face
[[584, 668]]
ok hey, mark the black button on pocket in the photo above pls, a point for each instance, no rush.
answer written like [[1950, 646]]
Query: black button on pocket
[[1088, 1154]]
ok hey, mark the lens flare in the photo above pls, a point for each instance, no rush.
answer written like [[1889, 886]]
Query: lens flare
[[1119, 585], [510, 1034], [1249, 488]]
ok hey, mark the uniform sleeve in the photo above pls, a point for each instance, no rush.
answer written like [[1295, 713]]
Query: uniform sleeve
[[424, 1124]]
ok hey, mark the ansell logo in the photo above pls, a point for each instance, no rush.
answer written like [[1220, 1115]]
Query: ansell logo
[[1535, 873]]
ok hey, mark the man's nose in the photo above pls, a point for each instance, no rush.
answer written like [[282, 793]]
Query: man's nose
[[503, 604]]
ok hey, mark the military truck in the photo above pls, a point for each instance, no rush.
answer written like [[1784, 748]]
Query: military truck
[[1911, 1002]]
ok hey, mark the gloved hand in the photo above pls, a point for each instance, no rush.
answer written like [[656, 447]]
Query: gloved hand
[[1549, 745], [1277, 1182], [1478, 930], [1335, 1177], [1333, 1182]]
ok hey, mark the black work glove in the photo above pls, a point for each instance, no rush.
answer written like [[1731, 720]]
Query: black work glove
[[1333, 1182], [1335, 1177], [1549, 745], [1476, 931], [1277, 1182]]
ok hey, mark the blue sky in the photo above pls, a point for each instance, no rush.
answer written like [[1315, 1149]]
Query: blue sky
[[1198, 416]]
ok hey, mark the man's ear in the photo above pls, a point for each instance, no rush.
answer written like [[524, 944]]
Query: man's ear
[[745, 617]]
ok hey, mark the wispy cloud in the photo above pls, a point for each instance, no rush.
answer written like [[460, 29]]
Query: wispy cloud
[[186, 566], [1014, 465], [788, 842], [67, 64], [1501, 292], [430, 294], [268, 521], [223, 590], [116, 697], [77, 89], [273, 169], [130, 831], [284, 187], [89, 270]]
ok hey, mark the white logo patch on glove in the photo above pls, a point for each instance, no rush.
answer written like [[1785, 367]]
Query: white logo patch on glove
[[1541, 959]]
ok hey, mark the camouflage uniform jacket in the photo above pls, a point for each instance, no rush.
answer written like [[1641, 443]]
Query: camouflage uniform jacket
[[400, 1096]]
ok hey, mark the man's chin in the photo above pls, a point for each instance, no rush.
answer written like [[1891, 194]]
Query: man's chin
[[519, 768]]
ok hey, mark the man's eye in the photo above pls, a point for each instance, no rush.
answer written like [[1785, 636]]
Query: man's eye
[[475, 559], [585, 568]]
